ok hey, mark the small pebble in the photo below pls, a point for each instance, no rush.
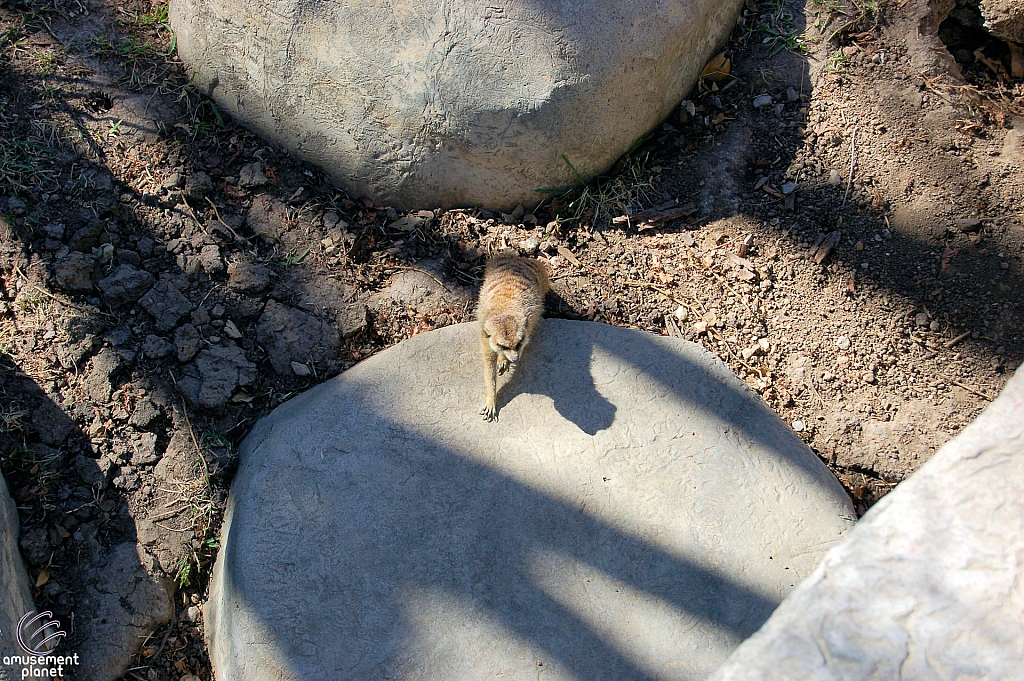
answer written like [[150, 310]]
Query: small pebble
[[834, 177], [934, 326], [843, 342], [798, 426], [762, 100], [300, 369]]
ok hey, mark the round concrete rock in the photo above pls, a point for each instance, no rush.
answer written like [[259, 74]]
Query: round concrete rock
[[446, 103], [635, 513]]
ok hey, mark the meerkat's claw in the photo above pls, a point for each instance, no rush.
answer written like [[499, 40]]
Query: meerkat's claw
[[503, 366], [490, 414]]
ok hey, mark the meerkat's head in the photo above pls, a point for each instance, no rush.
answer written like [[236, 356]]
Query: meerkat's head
[[505, 334]]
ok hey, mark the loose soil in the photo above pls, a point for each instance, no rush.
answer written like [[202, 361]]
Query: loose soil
[[839, 219]]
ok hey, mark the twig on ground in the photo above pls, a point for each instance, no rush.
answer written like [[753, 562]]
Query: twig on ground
[[953, 341], [966, 387], [659, 289], [216, 213], [191, 431], [414, 269], [853, 162]]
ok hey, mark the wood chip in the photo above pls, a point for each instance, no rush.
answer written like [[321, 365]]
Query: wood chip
[[824, 245], [567, 254], [744, 246], [672, 327], [663, 213]]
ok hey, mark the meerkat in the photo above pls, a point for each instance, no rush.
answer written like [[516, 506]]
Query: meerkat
[[510, 309]]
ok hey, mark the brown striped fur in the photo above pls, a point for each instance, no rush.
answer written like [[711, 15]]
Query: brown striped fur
[[510, 309]]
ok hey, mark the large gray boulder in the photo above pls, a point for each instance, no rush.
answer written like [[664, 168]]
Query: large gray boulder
[[929, 585], [431, 103], [16, 597], [635, 513]]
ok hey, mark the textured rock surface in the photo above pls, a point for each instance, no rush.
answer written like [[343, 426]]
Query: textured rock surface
[[930, 584], [16, 597], [442, 103], [166, 303], [126, 285], [291, 335], [421, 290], [1004, 18], [129, 598], [635, 513], [211, 379]]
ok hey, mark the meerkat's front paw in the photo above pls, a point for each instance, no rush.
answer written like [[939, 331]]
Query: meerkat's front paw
[[490, 413], [503, 366]]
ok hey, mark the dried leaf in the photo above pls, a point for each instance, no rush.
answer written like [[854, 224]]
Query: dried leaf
[[43, 578], [994, 66], [740, 262], [947, 257], [717, 69]]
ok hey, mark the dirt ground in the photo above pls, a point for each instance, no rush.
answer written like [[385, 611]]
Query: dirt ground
[[839, 219]]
